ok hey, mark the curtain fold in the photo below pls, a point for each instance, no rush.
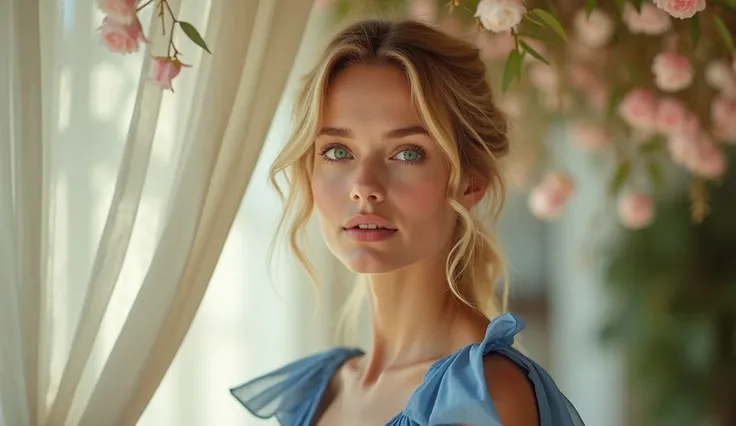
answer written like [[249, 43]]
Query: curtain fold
[[118, 229], [236, 93]]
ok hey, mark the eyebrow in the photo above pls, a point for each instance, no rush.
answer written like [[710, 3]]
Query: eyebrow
[[402, 132]]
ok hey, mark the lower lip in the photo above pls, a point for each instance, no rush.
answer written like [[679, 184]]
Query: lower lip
[[370, 235]]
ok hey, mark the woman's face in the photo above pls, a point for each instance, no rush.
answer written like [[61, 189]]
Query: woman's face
[[379, 181]]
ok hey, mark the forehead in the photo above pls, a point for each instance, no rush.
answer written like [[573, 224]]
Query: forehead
[[369, 94]]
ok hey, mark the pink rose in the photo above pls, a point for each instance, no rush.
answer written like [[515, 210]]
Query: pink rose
[[590, 136], [120, 37], [671, 116], [651, 20], [123, 11], [635, 210], [719, 76], [684, 144], [672, 72], [547, 200], [723, 115], [709, 162], [639, 110], [500, 15], [595, 30], [165, 69], [681, 8]]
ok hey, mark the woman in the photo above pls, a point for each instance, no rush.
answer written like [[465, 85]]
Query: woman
[[396, 140]]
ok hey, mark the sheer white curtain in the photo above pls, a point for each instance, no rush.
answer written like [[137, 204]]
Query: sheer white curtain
[[115, 204]]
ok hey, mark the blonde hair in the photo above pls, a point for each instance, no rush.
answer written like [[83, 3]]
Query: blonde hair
[[455, 102]]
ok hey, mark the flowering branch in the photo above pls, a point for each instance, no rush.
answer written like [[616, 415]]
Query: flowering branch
[[122, 33]]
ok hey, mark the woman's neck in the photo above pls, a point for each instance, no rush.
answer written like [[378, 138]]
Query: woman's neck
[[416, 318]]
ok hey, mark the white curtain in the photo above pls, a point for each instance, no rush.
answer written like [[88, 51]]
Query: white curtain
[[115, 205]]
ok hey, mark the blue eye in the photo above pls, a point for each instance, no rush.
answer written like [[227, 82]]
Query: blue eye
[[409, 155], [337, 153]]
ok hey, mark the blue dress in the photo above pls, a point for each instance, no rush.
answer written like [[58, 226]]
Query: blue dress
[[453, 391]]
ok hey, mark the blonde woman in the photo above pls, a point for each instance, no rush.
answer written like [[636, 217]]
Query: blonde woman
[[397, 141]]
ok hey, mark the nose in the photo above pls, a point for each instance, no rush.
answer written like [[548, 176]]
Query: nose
[[367, 187]]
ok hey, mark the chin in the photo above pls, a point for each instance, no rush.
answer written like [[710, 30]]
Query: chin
[[369, 261]]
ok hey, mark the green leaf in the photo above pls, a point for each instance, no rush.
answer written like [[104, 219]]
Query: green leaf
[[529, 18], [551, 22], [589, 6], [193, 35], [656, 176], [724, 33], [694, 30], [620, 4], [617, 94], [512, 69], [533, 52], [619, 178], [637, 5]]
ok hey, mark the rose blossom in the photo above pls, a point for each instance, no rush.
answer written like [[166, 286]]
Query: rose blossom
[[671, 116], [165, 69], [122, 38], [123, 11], [681, 8], [590, 136], [720, 77], [672, 72], [651, 20], [547, 200], [595, 30], [639, 110], [723, 115], [635, 210], [500, 15], [709, 161]]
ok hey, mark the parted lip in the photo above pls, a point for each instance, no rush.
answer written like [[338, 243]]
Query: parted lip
[[368, 219]]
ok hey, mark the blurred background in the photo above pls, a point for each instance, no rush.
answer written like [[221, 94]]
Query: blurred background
[[637, 326]]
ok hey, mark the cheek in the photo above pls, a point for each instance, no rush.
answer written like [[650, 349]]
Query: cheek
[[328, 191], [424, 201]]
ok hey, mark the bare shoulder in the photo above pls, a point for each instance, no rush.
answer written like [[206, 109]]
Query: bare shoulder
[[511, 391]]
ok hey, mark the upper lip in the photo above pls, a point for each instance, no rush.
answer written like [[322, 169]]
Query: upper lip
[[368, 219]]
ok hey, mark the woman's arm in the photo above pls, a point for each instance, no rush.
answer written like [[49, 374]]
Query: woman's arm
[[511, 392]]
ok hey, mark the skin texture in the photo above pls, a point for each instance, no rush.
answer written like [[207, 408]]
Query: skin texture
[[373, 157]]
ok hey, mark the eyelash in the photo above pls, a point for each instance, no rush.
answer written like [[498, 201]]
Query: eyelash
[[414, 148]]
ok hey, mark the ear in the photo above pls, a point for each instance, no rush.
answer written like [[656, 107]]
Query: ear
[[472, 190]]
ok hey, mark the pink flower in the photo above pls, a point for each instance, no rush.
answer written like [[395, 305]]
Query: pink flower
[[719, 76], [684, 144], [723, 115], [590, 136], [672, 72], [500, 15], [547, 200], [709, 162], [681, 8], [671, 116], [165, 69], [651, 20], [639, 110], [120, 37], [123, 11], [635, 210], [595, 30]]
